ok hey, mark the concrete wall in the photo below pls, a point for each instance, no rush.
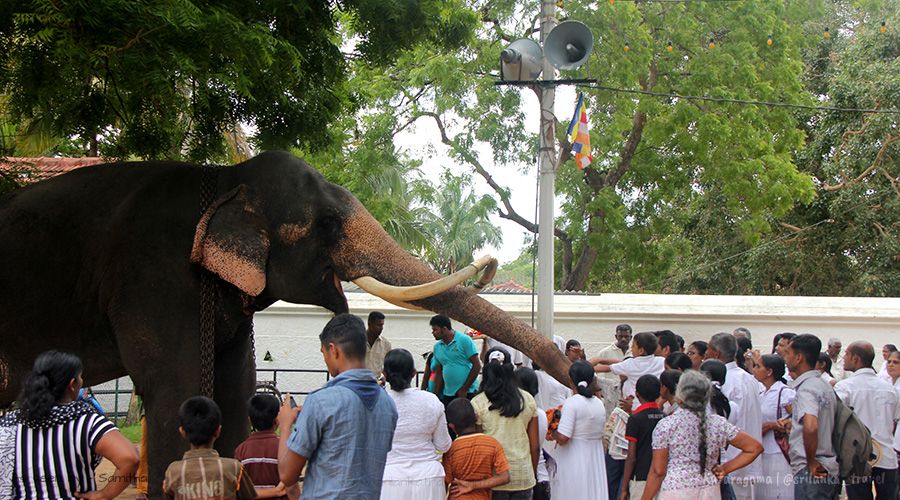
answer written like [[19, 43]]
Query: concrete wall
[[290, 332]]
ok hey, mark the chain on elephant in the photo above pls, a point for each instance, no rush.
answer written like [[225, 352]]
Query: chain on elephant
[[4, 375]]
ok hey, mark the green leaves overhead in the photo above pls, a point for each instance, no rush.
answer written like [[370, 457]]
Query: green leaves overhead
[[166, 79], [677, 184]]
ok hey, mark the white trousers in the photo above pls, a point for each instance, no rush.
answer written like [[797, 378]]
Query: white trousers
[[431, 488]]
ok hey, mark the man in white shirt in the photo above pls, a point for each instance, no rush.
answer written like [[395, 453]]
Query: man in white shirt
[[886, 352], [611, 388], [550, 392], [610, 383], [876, 404], [643, 345], [837, 360], [742, 389], [376, 345]]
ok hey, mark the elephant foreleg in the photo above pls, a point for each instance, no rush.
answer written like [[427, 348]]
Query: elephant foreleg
[[166, 372], [235, 378]]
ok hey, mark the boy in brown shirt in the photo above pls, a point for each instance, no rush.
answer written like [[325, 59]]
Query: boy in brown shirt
[[201, 474], [476, 462], [259, 452]]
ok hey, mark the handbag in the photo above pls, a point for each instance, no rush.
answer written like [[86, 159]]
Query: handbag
[[781, 437]]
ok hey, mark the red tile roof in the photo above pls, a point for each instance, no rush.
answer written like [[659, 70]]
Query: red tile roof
[[37, 169], [509, 286]]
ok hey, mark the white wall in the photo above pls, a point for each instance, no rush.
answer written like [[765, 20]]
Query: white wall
[[290, 332]]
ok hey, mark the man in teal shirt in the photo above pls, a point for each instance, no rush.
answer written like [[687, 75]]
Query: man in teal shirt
[[457, 364]]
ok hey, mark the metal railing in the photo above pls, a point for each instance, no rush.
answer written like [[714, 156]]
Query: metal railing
[[296, 381]]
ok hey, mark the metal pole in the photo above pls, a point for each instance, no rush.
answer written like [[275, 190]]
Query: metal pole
[[547, 183]]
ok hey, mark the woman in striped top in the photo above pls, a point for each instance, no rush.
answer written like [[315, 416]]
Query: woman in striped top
[[50, 445]]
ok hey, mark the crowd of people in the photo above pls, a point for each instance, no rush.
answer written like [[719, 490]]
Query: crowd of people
[[645, 418]]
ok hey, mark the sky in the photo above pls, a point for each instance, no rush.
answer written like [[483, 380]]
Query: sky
[[422, 140]]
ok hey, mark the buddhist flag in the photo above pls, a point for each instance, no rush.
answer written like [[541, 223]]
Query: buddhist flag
[[579, 135]]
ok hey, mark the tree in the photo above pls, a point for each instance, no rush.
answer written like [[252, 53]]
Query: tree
[[169, 79], [522, 269], [460, 225], [387, 182], [844, 242], [655, 158]]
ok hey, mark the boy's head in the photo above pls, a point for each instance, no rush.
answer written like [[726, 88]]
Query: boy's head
[[262, 410], [668, 382], [647, 388], [643, 344], [199, 421], [460, 414]]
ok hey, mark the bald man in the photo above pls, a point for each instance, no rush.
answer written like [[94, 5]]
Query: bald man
[[877, 405]]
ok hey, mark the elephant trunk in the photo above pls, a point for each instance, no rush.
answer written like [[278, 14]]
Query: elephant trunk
[[367, 250]]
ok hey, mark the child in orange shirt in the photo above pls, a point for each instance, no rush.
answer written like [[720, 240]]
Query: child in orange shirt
[[476, 462]]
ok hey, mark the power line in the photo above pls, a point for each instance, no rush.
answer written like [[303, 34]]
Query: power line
[[741, 101]]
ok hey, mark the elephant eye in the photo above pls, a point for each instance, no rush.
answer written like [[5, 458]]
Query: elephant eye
[[328, 228]]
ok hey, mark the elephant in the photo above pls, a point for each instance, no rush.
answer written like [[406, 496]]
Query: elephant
[[109, 262]]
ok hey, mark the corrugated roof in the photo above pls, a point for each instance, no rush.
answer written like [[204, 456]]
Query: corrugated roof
[[40, 168]]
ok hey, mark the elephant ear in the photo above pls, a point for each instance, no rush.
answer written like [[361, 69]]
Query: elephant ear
[[231, 240]]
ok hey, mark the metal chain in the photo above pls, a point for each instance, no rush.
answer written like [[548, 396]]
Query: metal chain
[[253, 345], [208, 301]]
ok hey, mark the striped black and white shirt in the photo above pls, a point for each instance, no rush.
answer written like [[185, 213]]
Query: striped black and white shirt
[[57, 461]]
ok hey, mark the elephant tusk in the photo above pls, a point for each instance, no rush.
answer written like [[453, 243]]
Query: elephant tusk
[[404, 305], [486, 277], [394, 294]]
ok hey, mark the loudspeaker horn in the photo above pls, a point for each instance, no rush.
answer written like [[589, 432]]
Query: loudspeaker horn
[[522, 60], [568, 45]]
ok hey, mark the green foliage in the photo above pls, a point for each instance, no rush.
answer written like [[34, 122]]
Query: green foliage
[[846, 241], [132, 433], [656, 158], [683, 154], [459, 226], [522, 269], [167, 79], [385, 181]]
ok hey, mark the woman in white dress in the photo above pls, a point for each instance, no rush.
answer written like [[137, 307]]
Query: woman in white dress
[[413, 470], [769, 371], [686, 446], [580, 465]]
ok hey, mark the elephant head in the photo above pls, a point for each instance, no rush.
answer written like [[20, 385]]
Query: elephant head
[[280, 231]]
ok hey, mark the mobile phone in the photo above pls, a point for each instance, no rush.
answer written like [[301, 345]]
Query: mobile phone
[[293, 402]]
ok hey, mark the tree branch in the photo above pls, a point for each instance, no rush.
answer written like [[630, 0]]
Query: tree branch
[[581, 271], [888, 139], [137, 38], [510, 213]]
